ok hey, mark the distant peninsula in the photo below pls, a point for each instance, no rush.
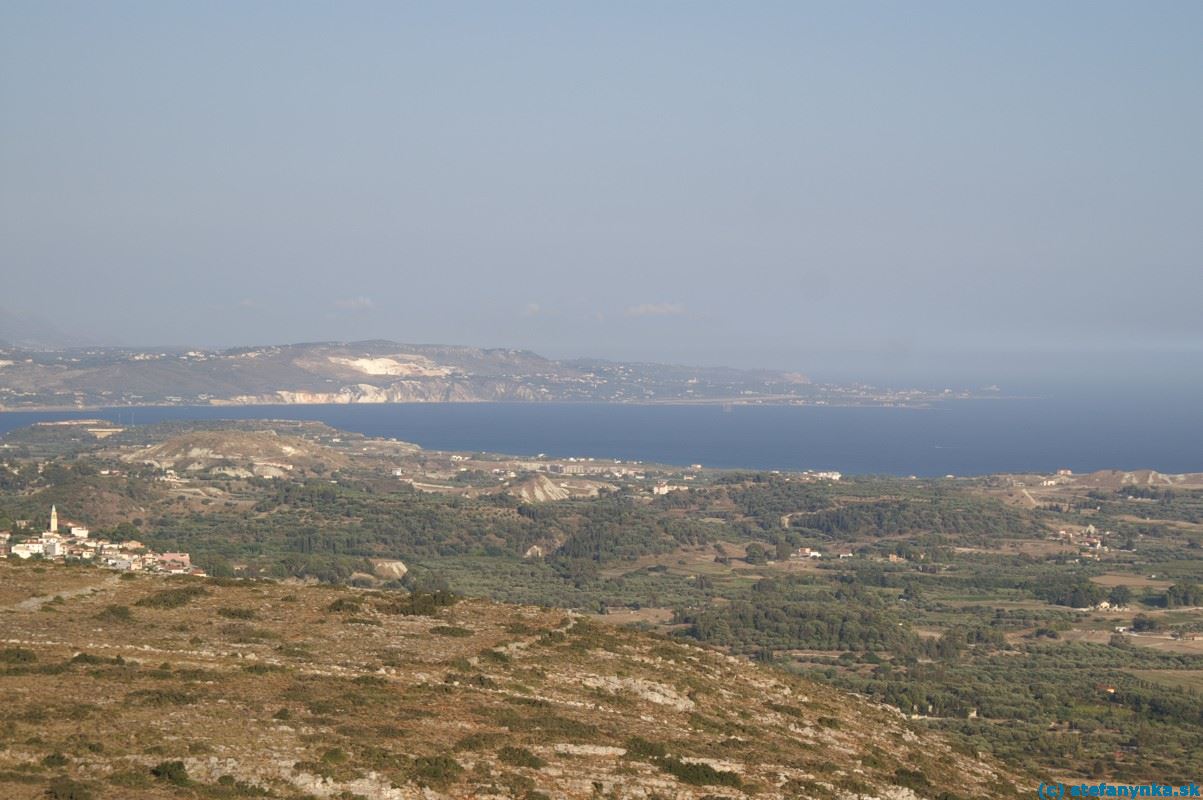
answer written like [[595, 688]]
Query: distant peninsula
[[390, 372]]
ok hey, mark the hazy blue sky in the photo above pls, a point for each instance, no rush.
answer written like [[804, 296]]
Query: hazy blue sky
[[749, 182]]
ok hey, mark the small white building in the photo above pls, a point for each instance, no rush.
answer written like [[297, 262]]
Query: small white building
[[27, 549]]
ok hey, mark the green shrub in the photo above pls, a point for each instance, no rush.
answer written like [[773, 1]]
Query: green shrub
[[388, 731], [17, 655], [912, 779], [549, 725], [88, 658], [242, 633], [63, 788], [335, 755], [519, 757], [172, 598], [478, 741], [130, 779], [261, 669], [230, 786], [519, 628], [315, 767], [236, 613], [13, 776], [370, 680], [450, 630], [172, 772], [788, 710], [854, 787], [698, 774], [54, 760], [638, 747], [115, 613], [436, 769], [496, 656], [478, 680], [423, 604], [158, 698]]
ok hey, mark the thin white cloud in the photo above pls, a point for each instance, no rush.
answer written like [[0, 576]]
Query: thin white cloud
[[656, 310], [531, 310], [360, 303]]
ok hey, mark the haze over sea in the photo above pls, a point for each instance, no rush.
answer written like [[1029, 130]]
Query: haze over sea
[[1162, 431]]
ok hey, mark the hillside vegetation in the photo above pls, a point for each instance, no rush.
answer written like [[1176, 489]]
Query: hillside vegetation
[[191, 688], [1051, 622]]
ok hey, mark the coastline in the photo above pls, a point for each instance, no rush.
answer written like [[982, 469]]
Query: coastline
[[773, 401], [946, 438]]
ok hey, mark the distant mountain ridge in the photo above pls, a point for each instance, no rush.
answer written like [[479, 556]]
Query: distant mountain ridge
[[381, 371], [27, 330]]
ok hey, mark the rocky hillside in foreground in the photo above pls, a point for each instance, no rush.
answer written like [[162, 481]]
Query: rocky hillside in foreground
[[137, 686]]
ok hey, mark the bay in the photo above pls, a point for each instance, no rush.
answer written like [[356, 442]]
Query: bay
[[964, 437]]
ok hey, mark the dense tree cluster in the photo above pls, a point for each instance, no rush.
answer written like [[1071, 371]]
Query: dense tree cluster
[[936, 515], [1184, 594], [1081, 593], [790, 614]]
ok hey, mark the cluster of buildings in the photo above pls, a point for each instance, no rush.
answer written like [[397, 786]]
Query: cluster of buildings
[[804, 553], [1063, 476], [75, 542], [1090, 541], [586, 467]]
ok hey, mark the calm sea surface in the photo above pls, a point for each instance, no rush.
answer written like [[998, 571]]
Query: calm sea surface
[[961, 437]]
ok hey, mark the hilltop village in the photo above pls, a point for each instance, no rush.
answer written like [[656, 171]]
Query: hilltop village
[[75, 543]]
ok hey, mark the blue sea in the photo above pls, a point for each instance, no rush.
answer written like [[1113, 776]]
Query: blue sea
[[962, 437]]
